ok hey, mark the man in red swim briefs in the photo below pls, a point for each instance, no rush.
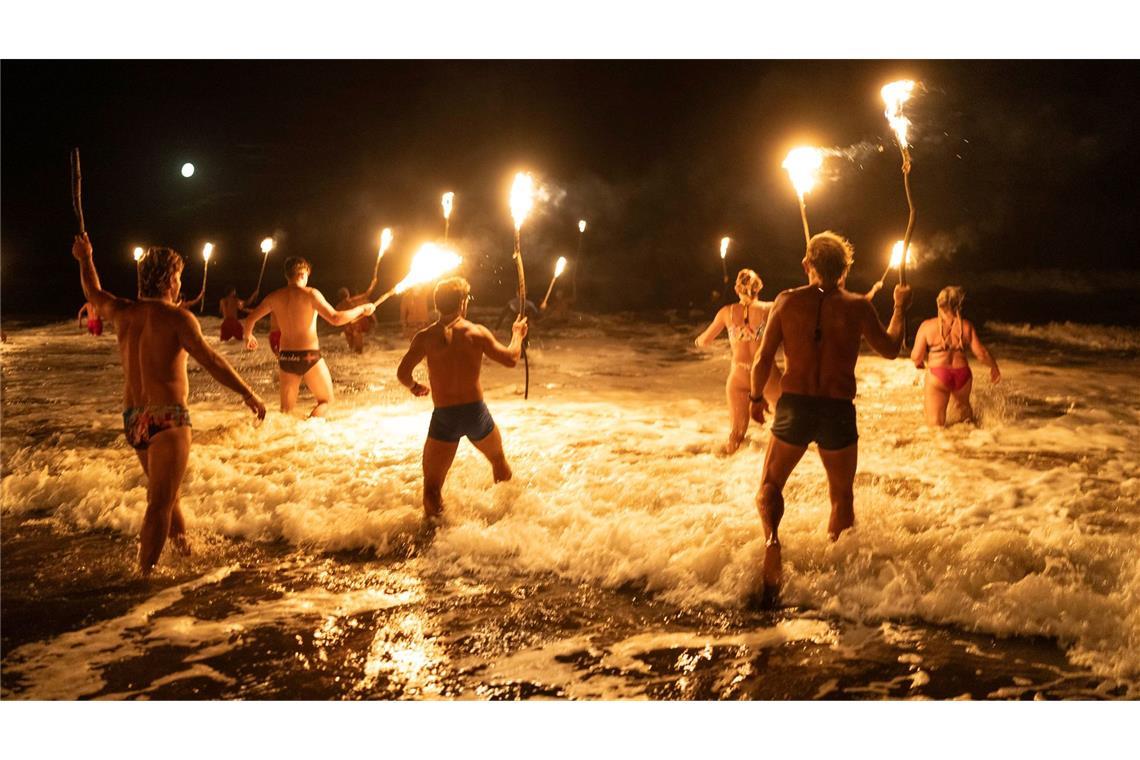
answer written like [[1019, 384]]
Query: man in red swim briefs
[[89, 318]]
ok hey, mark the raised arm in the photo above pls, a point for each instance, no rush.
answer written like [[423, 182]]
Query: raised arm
[[886, 342], [416, 353], [184, 304], [104, 303], [338, 318], [705, 339], [983, 355], [921, 347], [508, 355], [82, 311], [371, 287], [191, 338], [765, 358]]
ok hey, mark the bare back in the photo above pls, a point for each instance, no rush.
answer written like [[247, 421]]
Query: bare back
[[229, 306], [295, 308], [152, 352], [454, 366], [823, 367]]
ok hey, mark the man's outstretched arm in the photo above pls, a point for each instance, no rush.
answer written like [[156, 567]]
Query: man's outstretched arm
[[417, 351], [105, 303], [508, 355], [886, 342], [190, 337]]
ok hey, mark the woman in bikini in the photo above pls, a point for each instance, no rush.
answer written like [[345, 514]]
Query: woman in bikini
[[940, 346], [745, 322]]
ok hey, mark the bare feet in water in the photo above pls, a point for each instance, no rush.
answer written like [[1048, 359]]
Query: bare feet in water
[[181, 544], [731, 445], [772, 574]]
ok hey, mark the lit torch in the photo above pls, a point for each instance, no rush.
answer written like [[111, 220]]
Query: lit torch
[[385, 243], [895, 95], [577, 261], [802, 165], [522, 200], [724, 241], [430, 262], [207, 252], [448, 200], [266, 246], [138, 253], [897, 259], [559, 268]]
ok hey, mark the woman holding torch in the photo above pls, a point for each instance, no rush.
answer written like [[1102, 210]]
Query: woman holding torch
[[745, 322], [940, 346]]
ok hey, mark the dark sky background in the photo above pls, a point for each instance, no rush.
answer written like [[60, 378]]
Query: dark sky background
[[1024, 173]]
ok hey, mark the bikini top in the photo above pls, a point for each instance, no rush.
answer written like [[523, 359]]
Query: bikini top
[[744, 333]]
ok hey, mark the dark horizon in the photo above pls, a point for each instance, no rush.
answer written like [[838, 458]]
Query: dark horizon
[[1023, 173]]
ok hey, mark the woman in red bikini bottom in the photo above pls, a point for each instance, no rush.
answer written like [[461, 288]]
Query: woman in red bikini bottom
[[940, 346]]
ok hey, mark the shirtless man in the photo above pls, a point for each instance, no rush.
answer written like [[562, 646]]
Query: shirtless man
[[454, 349], [230, 306], [89, 318], [155, 335], [820, 326], [296, 307], [414, 311], [354, 331]]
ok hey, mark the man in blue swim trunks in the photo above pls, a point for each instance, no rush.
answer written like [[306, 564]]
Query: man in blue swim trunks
[[454, 349], [820, 327], [155, 336]]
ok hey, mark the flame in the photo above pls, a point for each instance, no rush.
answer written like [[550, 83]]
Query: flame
[[267, 245], [724, 246], [560, 266], [207, 251], [897, 254], [582, 225], [430, 262], [522, 198], [895, 95], [803, 164], [139, 253], [448, 199], [386, 238]]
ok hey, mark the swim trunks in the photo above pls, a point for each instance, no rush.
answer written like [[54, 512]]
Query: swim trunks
[[231, 328], [95, 326], [829, 422], [275, 341], [954, 378], [450, 423], [142, 423], [297, 362]]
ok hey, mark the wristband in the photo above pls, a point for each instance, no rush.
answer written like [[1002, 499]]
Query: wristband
[[755, 399]]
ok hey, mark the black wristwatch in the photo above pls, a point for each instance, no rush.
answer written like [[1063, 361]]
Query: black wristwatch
[[755, 399]]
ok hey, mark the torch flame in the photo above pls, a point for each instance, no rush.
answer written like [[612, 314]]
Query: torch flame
[[385, 239], [724, 246], [582, 225], [267, 244], [207, 251], [560, 266], [895, 95], [448, 199], [803, 164], [139, 253], [522, 198], [897, 255], [430, 262]]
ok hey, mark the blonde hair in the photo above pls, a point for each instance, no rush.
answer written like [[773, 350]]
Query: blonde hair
[[157, 269], [830, 255], [950, 299], [748, 285]]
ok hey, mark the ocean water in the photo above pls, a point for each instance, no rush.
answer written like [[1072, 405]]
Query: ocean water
[[996, 560]]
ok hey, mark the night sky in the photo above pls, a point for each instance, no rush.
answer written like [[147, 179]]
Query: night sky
[[1024, 174]]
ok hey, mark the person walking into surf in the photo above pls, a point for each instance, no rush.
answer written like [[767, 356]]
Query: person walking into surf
[[296, 307], [940, 346], [454, 349], [745, 322], [155, 336], [89, 318], [820, 326]]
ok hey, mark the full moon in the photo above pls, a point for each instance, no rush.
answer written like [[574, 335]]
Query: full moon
[[187, 170]]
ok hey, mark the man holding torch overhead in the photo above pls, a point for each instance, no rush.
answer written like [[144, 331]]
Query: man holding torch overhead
[[155, 336], [820, 327], [296, 307], [454, 349]]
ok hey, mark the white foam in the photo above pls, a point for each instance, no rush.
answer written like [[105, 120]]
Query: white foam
[[1025, 525]]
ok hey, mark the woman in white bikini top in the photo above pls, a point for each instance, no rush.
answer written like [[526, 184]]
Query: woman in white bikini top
[[745, 322]]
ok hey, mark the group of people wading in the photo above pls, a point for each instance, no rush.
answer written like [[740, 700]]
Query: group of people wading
[[819, 328]]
